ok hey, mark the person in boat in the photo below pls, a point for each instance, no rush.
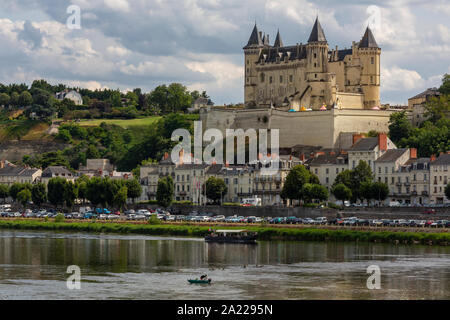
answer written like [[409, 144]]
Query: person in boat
[[203, 277]]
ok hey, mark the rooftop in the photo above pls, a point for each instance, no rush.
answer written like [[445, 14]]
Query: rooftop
[[444, 159], [365, 144], [391, 155]]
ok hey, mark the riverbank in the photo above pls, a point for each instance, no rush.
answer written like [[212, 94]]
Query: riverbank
[[264, 233]]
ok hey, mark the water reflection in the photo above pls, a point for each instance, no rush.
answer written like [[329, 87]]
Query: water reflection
[[116, 266]]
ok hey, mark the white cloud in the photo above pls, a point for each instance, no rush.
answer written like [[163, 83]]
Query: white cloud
[[118, 5], [117, 51]]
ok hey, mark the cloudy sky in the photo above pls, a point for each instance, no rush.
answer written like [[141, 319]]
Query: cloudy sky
[[142, 43]]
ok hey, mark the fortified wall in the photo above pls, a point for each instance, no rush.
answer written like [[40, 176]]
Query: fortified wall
[[328, 129]]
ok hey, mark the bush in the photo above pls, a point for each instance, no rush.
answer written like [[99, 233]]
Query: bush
[[59, 217], [311, 205], [334, 206], [154, 220]]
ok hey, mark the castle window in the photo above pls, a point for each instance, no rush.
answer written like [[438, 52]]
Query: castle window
[[263, 77], [248, 62], [291, 78], [270, 80], [281, 79], [315, 64], [315, 75], [371, 79], [371, 60], [315, 55]]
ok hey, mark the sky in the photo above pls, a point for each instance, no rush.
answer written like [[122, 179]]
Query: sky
[[125, 44]]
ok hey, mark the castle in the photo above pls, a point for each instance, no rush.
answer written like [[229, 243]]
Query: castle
[[311, 76], [314, 96]]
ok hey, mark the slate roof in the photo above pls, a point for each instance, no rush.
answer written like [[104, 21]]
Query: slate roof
[[214, 169], [255, 38], [17, 171], [55, 170], [191, 166], [325, 159], [368, 40], [278, 41], [271, 54], [343, 53], [427, 93], [391, 155], [365, 144], [443, 159], [317, 34]]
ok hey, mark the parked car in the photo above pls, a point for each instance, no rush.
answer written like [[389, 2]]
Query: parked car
[[180, 218], [430, 211], [220, 218], [131, 211], [362, 222], [320, 220], [112, 217], [131, 216], [144, 212], [292, 220], [308, 221]]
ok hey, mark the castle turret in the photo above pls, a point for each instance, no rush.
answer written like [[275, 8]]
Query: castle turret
[[317, 67], [252, 51], [369, 53], [278, 42]]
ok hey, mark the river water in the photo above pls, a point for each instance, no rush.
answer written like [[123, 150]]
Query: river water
[[33, 265]]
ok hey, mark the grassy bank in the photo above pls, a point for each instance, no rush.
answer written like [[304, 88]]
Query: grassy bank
[[264, 233]]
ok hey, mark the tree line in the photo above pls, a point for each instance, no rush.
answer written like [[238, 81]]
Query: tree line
[[59, 192]]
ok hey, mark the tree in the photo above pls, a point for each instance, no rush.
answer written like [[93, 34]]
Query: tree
[[120, 198], [25, 99], [319, 192], [14, 101], [134, 189], [307, 193], [341, 192], [345, 178], [39, 194], [92, 152], [215, 189], [82, 183], [56, 191], [297, 177], [362, 173], [4, 192], [24, 196], [16, 188], [380, 191], [437, 108], [95, 193], [70, 193], [164, 193], [4, 99], [445, 87], [399, 126], [365, 191]]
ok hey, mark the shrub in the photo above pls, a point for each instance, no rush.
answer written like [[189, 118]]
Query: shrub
[[154, 220], [59, 217]]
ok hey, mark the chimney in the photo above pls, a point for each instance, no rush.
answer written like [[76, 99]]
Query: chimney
[[2, 164], [311, 155], [332, 153], [357, 137], [227, 164], [302, 157], [319, 153], [166, 155], [413, 153], [290, 157], [181, 154], [432, 158], [382, 141]]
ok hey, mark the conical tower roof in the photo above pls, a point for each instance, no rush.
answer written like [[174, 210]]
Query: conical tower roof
[[368, 40], [317, 34], [278, 41], [255, 38]]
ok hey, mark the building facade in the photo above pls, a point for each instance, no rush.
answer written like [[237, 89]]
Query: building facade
[[311, 75]]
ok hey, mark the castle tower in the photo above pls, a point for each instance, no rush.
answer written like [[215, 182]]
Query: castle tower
[[251, 52], [278, 42], [369, 54], [317, 74]]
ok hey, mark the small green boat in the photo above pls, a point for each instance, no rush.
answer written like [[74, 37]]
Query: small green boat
[[198, 281]]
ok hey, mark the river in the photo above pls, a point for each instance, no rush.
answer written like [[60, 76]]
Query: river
[[33, 265]]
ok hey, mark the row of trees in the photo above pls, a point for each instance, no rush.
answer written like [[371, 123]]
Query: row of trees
[[358, 184], [302, 185], [433, 136], [61, 192]]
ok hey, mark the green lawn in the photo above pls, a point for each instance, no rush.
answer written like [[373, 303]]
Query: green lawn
[[120, 122]]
